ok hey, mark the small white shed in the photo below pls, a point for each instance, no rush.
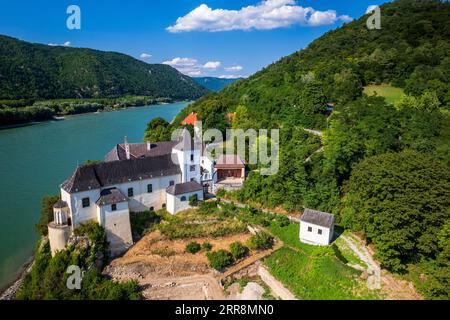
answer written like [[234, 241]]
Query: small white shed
[[178, 195], [316, 227]]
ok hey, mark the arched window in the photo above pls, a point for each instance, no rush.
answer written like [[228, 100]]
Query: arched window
[[183, 198], [152, 209]]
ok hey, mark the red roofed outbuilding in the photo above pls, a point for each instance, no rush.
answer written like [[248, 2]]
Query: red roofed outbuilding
[[190, 119]]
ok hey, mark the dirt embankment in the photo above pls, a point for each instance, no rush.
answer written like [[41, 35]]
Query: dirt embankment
[[166, 271]]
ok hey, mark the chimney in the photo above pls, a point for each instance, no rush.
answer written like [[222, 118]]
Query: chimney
[[127, 148], [149, 145]]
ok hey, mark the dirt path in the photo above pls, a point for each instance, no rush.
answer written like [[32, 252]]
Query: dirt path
[[198, 287], [391, 287], [276, 286], [373, 269]]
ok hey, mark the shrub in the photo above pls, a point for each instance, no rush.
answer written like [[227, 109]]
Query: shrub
[[206, 246], [260, 241], [221, 193], [220, 259], [193, 200], [283, 221], [238, 250], [46, 217], [193, 247]]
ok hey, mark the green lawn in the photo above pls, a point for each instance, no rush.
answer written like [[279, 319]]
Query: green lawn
[[391, 94], [314, 272]]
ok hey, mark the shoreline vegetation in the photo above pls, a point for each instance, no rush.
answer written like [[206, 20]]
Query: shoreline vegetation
[[25, 112]]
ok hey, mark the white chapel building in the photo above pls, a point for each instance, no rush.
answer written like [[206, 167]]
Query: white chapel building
[[134, 177]]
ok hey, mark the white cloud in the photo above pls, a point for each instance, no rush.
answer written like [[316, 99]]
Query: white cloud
[[181, 62], [233, 68], [145, 56], [230, 76], [65, 44], [266, 15], [213, 65], [371, 8]]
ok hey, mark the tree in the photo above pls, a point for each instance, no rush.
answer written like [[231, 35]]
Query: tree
[[220, 259], [401, 202], [158, 129], [238, 250], [46, 217]]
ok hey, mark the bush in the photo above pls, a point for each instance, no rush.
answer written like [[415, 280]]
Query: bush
[[46, 217], [260, 241], [283, 221], [193, 200], [220, 259], [238, 250], [193, 247], [206, 246], [221, 193]]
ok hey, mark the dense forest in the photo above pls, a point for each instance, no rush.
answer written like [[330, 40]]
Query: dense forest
[[37, 71], [384, 170]]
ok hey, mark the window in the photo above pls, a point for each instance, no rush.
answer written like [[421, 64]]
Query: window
[[192, 168], [309, 229], [163, 205], [86, 202], [183, 198], [113, 207], [152, 209], [130, 192], [319, 231], [192, 157], [171, 183], [192, 179], [149, 188]]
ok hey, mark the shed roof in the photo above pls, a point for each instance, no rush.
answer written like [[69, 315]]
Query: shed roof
[[319, 218], [190, 119], [227, 161], [111, 196], [182, 188]]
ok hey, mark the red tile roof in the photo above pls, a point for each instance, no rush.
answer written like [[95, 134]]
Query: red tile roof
[[190, 119]]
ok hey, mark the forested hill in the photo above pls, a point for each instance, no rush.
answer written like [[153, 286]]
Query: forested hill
[[45, 72], [411, 51], [382, 166]]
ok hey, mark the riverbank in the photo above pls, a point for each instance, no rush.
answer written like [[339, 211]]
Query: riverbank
[[56, 110], [10, 291]]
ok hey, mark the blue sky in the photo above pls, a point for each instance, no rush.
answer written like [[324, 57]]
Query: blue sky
[[193, 36]]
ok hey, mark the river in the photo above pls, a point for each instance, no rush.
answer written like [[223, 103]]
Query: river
[[36, 159]]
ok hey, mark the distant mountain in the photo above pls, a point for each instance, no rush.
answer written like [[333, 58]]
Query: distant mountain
[[214, 84], [40, 71]]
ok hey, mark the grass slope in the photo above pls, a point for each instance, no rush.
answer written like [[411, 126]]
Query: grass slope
[[313, 272], [391, 94]]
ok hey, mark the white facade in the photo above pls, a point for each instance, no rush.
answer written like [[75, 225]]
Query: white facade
[[177, 203], [141, 195], [117, 226], [189, 162], [315, 234]]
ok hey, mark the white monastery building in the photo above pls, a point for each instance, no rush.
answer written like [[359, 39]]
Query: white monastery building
[[134, 177], [316, 228]]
